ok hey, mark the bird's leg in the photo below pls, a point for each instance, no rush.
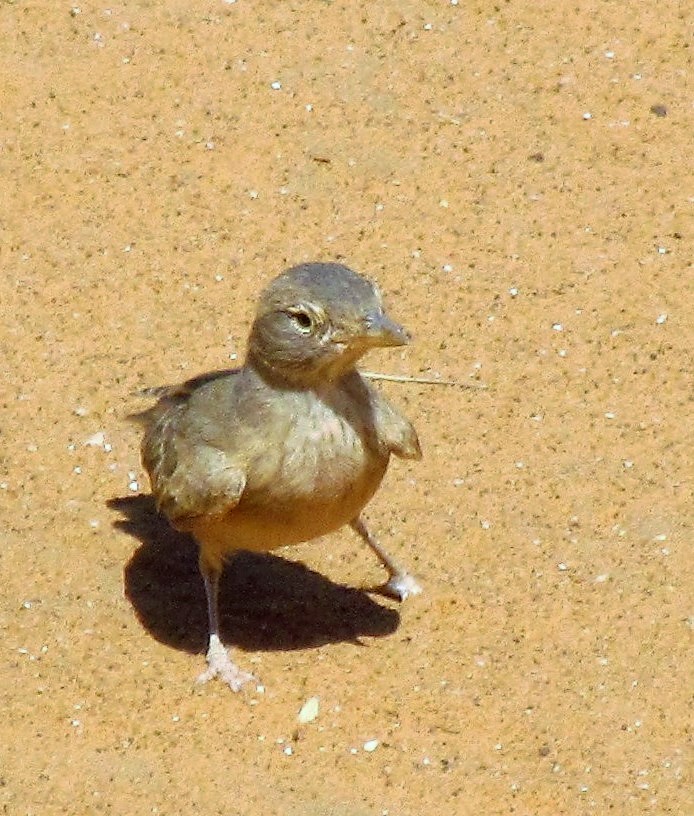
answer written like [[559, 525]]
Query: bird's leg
[[400, 584], [219, 664]]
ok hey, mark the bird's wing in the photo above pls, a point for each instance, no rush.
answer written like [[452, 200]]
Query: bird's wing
[[394, 430], [191, 474]]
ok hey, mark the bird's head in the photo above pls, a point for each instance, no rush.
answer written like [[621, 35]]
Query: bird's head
[[315, 321]]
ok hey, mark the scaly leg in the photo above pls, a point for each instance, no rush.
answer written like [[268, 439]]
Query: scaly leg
[[219, 664], [400, 584]]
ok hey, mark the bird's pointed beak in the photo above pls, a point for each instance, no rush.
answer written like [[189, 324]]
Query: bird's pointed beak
[[381, 331]]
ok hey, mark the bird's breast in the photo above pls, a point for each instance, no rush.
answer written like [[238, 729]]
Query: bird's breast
[[319, 476]]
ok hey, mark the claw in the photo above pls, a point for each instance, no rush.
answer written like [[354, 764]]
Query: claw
[[219, 664], [401, 586]]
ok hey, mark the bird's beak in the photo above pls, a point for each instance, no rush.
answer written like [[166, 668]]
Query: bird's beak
[[381, 331]]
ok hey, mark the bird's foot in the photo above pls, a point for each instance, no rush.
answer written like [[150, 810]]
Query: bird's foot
[[400, 586], [219, 664]]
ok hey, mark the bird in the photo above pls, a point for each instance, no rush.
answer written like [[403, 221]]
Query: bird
[[288, 447]]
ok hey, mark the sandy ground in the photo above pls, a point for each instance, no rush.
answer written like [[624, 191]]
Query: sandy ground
[[518, 180]]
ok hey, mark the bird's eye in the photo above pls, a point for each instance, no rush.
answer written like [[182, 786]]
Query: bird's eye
[[303, 321]]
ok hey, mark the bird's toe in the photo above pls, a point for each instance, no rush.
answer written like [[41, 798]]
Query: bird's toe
[[401, 586], [219, 664]]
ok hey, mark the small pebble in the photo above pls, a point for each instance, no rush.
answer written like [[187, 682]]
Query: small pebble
[[309, 710], [662, 318], [371, 745], [276, 86]]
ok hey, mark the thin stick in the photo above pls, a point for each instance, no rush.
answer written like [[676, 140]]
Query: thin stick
[[403, 378]]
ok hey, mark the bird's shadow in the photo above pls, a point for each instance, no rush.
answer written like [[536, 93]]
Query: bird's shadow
[[266, 602]]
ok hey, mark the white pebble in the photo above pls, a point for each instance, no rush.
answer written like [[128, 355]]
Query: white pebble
[[134, 485], [587, 115], [288, 750], [557, 327], [276, 86], [562, 566], [371, 745], [309, 710], [96, 440], [513, 291], [610, 415], [661, 319]]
